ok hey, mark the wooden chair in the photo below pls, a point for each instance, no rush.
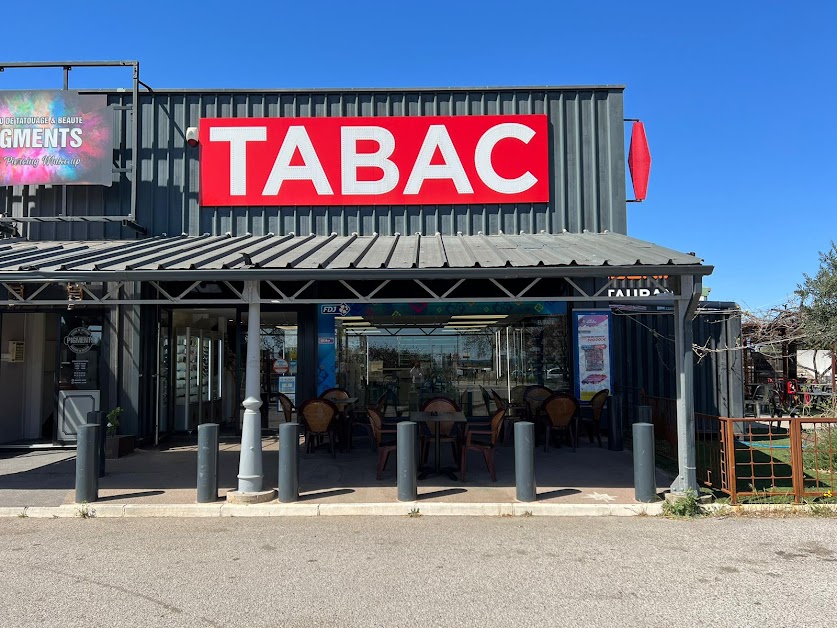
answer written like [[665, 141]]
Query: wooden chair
[[383, 439], [593, 423], [287, 407], [319, 417], [560, 410], [484, 438], [447, 432]]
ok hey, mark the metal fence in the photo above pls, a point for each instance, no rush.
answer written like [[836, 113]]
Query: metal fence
[[763, 460], [754, 459]]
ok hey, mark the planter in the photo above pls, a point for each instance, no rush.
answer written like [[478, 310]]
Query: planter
[[118, 446]]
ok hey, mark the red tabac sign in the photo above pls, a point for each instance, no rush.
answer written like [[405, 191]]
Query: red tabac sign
[[374, 161]]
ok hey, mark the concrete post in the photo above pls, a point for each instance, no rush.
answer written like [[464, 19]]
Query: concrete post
[[207, 462], [87, 452], [645, 483], [250, 475], [684, 362], [524, 461], [289, 462], [406, 439]]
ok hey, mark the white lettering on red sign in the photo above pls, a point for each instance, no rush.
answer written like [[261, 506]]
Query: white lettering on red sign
[[360, 161]]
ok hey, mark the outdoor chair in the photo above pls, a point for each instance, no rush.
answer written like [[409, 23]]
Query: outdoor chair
[[486, 399], [533, 397], [384, 440], [447, 431], [517, 395], [345, 415], [561, 412], [287, 407], [318, 418], [593, 422], [482, 437]]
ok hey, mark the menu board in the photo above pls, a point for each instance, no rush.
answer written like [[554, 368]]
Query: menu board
[[591, 340]]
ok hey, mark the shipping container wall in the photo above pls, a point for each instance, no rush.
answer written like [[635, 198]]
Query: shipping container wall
[[586, 159], [644, 358]]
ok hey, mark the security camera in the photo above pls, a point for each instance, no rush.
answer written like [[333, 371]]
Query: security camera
[[192, 136]]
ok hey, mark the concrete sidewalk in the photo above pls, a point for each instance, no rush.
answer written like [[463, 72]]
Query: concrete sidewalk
[[167, 476]]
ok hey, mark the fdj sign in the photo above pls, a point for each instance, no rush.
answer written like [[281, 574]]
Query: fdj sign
[[341, 309], [79, 340], [374, 161]]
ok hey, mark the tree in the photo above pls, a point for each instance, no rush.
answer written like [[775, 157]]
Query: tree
[[818, 295]]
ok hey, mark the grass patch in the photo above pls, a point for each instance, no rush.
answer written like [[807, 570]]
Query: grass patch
[[685, 507]]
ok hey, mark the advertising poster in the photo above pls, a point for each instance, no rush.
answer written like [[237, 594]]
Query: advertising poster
[[55, 137], [591, 341]]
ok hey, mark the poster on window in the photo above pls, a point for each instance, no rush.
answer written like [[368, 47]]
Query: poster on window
[[591, 340]]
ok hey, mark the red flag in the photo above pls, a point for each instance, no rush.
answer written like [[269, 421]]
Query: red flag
[[639, 161]]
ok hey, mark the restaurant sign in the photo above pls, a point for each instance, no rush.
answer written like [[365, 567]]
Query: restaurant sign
[[415, 160], [55, 137]]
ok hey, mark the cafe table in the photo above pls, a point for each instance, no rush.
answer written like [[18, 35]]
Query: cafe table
[[438, 417]]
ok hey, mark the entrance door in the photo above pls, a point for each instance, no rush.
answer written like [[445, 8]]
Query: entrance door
[[79, 374]]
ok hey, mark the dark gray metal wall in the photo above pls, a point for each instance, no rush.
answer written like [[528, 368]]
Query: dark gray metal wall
[[587, 163], [644, 358]]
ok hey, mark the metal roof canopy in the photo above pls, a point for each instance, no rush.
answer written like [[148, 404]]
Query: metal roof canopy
[[326, 269]]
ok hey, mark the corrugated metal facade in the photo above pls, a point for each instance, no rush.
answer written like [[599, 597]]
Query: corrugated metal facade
[[587, 165], [644, 358]]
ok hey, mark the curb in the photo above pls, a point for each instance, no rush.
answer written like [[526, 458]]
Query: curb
[[302, 509]]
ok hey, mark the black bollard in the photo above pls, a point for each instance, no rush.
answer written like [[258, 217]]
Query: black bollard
[[524, 461], [406, 439], [614, 430], [87, 481], [645, 484], [207, 462], [289, 462]]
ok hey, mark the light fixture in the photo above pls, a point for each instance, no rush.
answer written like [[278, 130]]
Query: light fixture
[[358, 324], [479, 316], [74, 294], [348, 318]]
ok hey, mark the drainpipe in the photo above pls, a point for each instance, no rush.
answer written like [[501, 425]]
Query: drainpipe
[[250, 475]]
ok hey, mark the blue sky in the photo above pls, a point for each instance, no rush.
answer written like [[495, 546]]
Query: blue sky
[[739, 98]]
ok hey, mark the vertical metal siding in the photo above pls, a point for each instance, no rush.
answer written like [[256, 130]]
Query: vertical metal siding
[[586, 162], [644, 356]]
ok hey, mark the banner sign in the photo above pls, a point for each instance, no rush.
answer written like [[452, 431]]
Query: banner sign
[[591, 341], [419, 160], [55, 137]]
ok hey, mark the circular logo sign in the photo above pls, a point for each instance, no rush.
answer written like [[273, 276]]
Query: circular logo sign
[[280, 366], [79, 340]]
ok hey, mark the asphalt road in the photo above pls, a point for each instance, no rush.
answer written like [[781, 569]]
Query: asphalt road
[[423, 571]]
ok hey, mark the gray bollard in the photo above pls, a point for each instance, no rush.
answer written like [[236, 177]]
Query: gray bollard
[[87, 452], [614, 431], [289, 462], [643, 414], [207, 462], [406, 439], [524, 461], [100, 418], [645, 484]]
